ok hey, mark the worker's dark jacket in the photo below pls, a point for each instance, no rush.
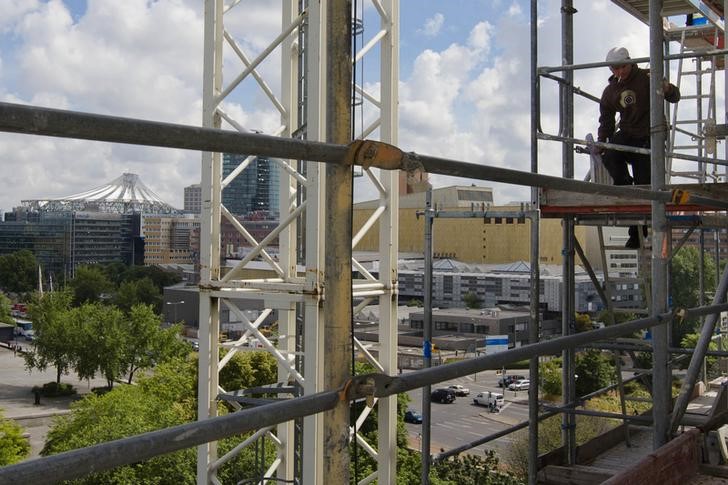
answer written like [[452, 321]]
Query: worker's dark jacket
[[630, 98]]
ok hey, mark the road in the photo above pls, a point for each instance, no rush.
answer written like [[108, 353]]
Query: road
[[462, 422]]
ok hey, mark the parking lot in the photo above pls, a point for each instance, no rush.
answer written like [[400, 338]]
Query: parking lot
[[463, 422]]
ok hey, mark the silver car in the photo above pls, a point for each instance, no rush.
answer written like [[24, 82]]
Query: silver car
[[519, 385]]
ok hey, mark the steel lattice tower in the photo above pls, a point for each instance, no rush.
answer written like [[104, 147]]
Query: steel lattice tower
[[298, 287]]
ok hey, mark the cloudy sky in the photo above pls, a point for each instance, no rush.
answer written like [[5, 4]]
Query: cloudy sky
[[464, 88]]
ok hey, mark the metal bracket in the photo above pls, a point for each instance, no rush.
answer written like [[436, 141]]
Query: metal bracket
[[368, 386], [680, 196], [370, 153]]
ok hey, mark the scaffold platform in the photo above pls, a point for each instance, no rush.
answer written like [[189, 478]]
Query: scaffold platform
[[555, 203], [640, 8]]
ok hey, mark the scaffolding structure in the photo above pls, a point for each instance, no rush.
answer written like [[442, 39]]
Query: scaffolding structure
[[600, 211], [315, 152]]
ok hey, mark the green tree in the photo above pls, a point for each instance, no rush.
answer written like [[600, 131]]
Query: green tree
[[144, 342], [164, 399], [471, 300], [115, 272], [684, 287], [5, 306], [101, 343], [689, 342], [134, 292], [56, 338], [249, 369], [583, 322], [13, 446], [18, 272], [457, 470], [159, 277], [89, 284], [550, 374], [595, 371]]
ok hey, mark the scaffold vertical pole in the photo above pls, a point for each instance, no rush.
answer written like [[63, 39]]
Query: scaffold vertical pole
[[701, 289], [661, 375], [338, 233], [533, 327], [427, 338], [566, 121]]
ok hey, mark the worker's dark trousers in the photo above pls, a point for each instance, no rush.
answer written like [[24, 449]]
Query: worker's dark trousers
[[616, 164]]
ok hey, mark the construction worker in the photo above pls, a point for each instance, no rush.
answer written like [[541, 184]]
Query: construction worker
[[628, 93]]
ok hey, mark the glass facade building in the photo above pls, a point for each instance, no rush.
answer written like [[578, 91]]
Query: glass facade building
[[62, 241], [255, 189], [49, 241]]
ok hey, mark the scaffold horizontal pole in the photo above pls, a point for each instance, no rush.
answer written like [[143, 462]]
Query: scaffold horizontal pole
[[81, 462], [414, 380], [637, 60], [631, 149], [31, 120]]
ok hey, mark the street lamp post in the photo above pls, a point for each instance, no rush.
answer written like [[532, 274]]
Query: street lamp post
[[174, 306]]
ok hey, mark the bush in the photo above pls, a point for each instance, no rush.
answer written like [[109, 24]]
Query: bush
[[14, 447], [550, 375], [52, 389]]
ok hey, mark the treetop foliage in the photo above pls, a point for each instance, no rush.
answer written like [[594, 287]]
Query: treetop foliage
[[13, 445]]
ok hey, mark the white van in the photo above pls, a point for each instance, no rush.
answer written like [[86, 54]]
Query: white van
[[489, 399]]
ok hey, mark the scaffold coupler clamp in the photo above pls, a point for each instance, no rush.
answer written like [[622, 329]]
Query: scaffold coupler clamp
[[371, 153]]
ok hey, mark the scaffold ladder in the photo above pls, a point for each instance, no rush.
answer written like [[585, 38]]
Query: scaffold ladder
[[686, 130]]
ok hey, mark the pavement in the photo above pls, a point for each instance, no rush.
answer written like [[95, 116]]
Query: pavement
[[17, 400]]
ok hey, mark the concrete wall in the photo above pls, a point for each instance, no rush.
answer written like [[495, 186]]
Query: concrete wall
[[674, 463]]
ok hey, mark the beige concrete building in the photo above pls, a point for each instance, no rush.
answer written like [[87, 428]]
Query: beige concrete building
[[476, 240], [168, 239]]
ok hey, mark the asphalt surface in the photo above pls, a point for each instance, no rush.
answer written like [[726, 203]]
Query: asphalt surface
[[464, 422], [17, 400]]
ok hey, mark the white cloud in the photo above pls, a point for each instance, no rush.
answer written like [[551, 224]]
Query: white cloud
[[480, 36], [514, 9], [433, 25], [12, 10]]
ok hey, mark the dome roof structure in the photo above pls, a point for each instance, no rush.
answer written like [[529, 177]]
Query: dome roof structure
[[126, 194]]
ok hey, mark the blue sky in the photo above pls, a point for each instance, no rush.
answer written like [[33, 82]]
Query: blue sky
[[464, 82]]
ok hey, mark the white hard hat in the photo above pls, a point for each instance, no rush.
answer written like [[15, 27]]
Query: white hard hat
[[617, 54]]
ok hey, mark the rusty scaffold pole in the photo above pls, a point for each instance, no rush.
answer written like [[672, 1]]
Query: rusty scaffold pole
[[661, 374], [534, 321], [338, 232]]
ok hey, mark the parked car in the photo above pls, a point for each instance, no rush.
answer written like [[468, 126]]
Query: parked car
[[459, 390], [443, 396], [412, 417], [506, 381], [489, 399], [519, 385]]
